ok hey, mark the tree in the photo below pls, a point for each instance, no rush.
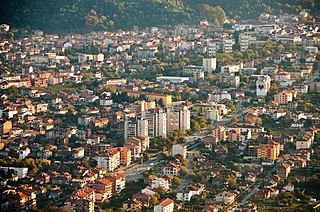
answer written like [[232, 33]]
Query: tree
[[176, 181], [154, 200], [232, 182], [183, 171], [281, 48], [161, 191], [195, 126], [160, 103]]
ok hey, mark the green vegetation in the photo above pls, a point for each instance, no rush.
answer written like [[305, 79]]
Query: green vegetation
[[66, 16]]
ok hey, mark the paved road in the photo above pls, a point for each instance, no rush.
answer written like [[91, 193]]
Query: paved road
[[185, 180], [134, 174], [255, 187]]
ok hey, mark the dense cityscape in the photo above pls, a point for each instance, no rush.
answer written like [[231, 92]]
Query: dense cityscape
[[218, 116]]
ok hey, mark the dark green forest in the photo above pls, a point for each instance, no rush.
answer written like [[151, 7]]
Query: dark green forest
[[79, 16]]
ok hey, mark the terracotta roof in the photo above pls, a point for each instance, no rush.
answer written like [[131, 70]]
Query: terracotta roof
[[166, 202]]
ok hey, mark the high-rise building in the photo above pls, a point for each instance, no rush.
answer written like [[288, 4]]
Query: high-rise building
[[157, 120], [134, 127], [178, 119], [209, 65]]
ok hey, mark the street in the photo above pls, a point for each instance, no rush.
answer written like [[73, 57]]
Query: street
[[255, 187], [134, 174]]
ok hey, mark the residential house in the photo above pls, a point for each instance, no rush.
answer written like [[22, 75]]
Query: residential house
[[284, 170], [118, 181], [234, 135], [171, 169], [226, 197], [180, 149], [160, 182], [132, 204], [220, 133], [103, 190], [166, 205], [125, 156], [269, 151], [82, 200], [190, 191], [109, 160]]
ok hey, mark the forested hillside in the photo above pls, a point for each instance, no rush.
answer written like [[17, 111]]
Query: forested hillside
[[65, 16]]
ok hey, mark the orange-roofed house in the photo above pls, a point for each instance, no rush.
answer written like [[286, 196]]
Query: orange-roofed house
[[103, 190], [81, 200], [109, 160], [118, 182], [166, 205]]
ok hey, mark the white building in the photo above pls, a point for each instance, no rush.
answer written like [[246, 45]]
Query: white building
[[166, 205], [160, 182], [134, 127], [179, 149], [225, 197], [190, 192], [195, 72], [219, 96], [231, 69], [303, 144], [227, 45], [171, 79], [105, 102], [213, 115], [24, 152], [21, 172], [109, 160], [157, 122], [209, 65], [99, 57], [245, 41], [270, 70], [263, 84], [178, 119], [212, 49]]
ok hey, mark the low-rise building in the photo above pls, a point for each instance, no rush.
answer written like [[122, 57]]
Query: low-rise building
[[166, 205]]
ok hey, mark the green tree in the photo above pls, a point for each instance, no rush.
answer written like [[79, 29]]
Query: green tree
[[183, 171], [176, 181]]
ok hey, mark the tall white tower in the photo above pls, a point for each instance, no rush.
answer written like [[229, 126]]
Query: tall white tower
[[263, 85]]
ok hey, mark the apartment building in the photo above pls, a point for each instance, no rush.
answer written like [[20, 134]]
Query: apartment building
[[157, 122], [269, 151], [178, 118]]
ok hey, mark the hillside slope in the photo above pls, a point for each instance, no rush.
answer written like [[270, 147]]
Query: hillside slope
[[65, 16]]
